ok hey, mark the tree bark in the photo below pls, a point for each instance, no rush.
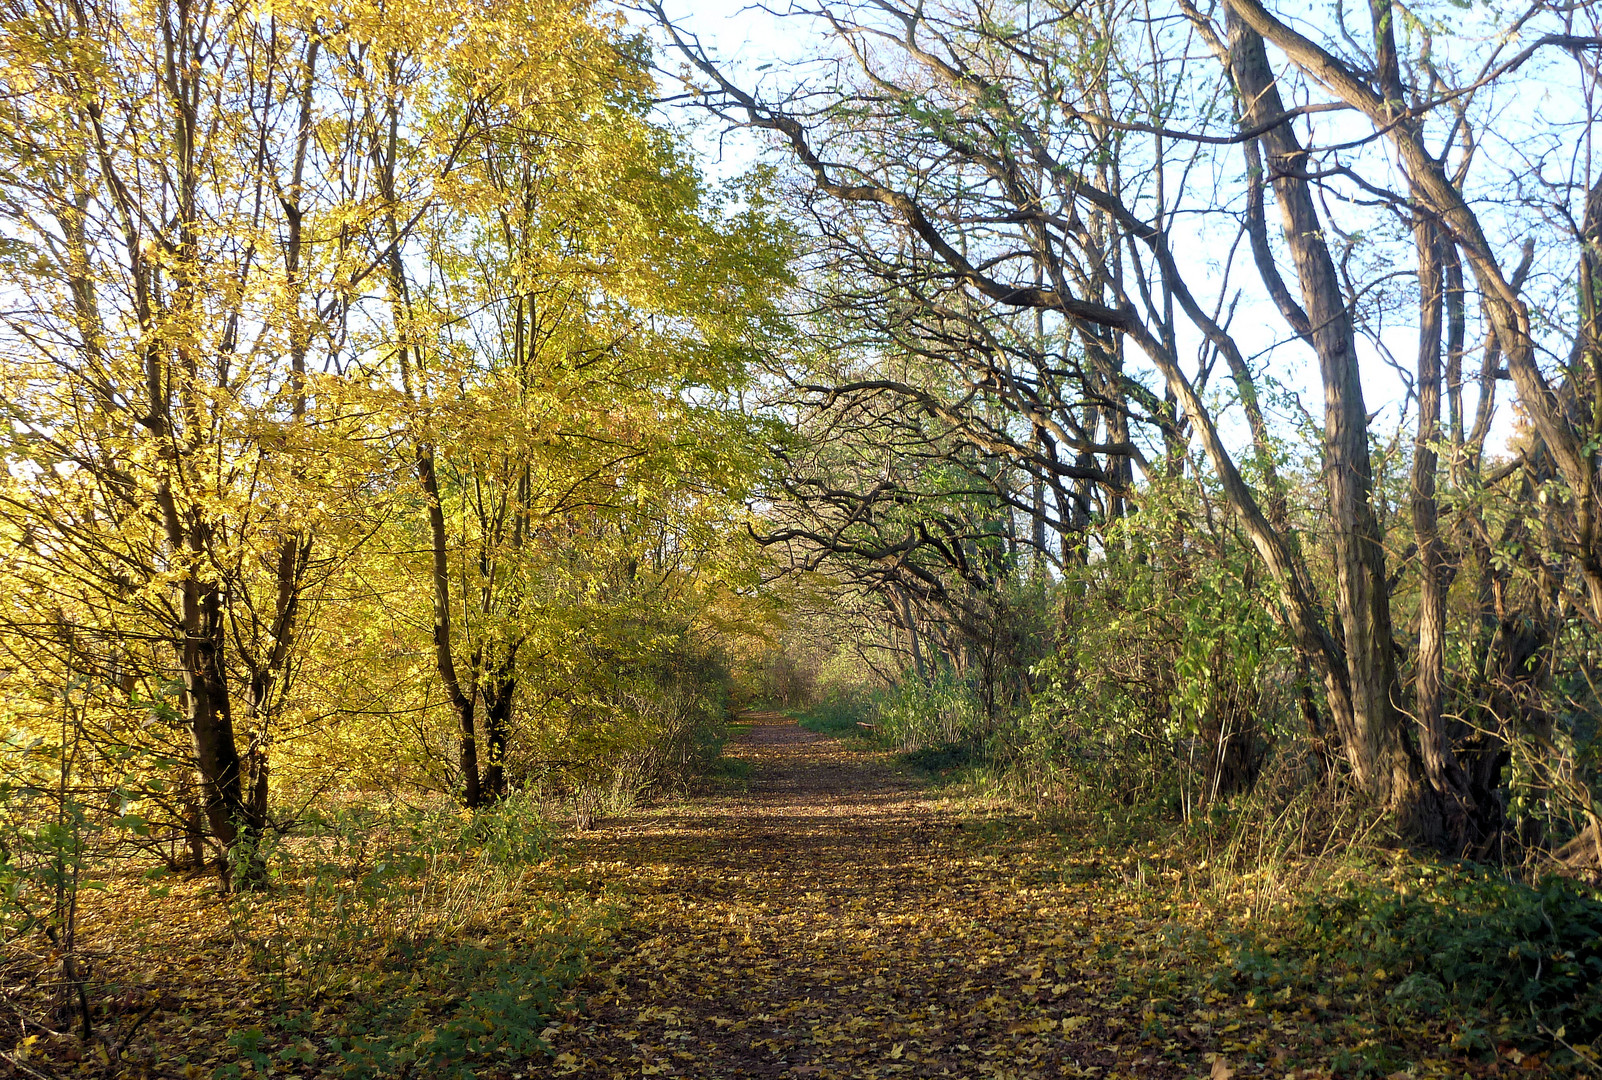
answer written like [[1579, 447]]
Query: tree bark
[[211, 729], [1444, 816], [1574, 450], [497, 729], [463, 700], [910, 621], [1363, 708]]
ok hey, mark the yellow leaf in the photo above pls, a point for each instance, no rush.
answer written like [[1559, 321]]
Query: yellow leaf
[[1036, 1027]]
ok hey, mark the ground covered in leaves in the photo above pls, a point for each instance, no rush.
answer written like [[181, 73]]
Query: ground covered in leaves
[[821, 914], [837, 920], [388, 942]]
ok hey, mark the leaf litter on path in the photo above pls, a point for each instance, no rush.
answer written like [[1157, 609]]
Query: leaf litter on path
[[834, 921]]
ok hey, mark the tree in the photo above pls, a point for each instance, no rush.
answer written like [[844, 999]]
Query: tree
[[551, 329], [983, 164], [175, 270]]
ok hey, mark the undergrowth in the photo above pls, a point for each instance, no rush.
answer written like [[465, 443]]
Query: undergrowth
[[1504, 958], [729, 774], [839, 716], [1381, 945], [386, 941], [1482, 962], [1297, 898]]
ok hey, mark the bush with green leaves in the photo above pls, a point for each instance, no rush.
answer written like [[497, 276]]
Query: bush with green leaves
[[628, 726], [841, 714], [1173, 680], [923, 714], [1519, 960], [478, 1005], [421, 917]]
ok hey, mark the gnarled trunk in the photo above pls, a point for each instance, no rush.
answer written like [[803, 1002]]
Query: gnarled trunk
[[1359, 672]]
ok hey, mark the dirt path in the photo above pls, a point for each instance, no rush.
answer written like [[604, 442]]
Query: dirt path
[[834, 922]]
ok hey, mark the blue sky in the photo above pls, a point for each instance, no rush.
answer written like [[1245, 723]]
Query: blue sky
[[759, 47]]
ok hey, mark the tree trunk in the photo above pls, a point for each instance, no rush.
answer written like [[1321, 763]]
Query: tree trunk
[[1443, 817], [211, 728], [1362, 696], [1573, 448], [497, 728], [909, 620], [462, 700], [194, 830]]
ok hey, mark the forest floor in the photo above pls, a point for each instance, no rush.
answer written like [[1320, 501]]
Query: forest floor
[[837, 919], [820, 913]]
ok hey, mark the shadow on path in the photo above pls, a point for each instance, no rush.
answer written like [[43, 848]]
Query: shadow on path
[[833, 922]]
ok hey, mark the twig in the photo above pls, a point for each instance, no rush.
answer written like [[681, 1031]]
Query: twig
[[1589, 1062], [25, 1068], [122, 1044], [24, 1020]]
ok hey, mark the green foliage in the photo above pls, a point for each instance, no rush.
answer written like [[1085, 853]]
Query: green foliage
[[475, 1005], [632, 722], [419, 918], [1173, 680], [1524, 959], [53, 841], [937, 726], [364, 877], [941, 711], [46, 833], [730, 773], [1482, 960], [838, 715], [945, 760]]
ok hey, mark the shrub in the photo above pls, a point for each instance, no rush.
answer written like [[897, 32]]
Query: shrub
[[415, 931], [839, 715], [921, 715], [1491, 950]]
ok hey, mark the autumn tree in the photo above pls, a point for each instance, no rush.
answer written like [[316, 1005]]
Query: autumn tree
[[564, 331], [205, 203], [175, 281]]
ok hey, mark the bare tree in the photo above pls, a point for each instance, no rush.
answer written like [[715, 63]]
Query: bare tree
[[981, 165]]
